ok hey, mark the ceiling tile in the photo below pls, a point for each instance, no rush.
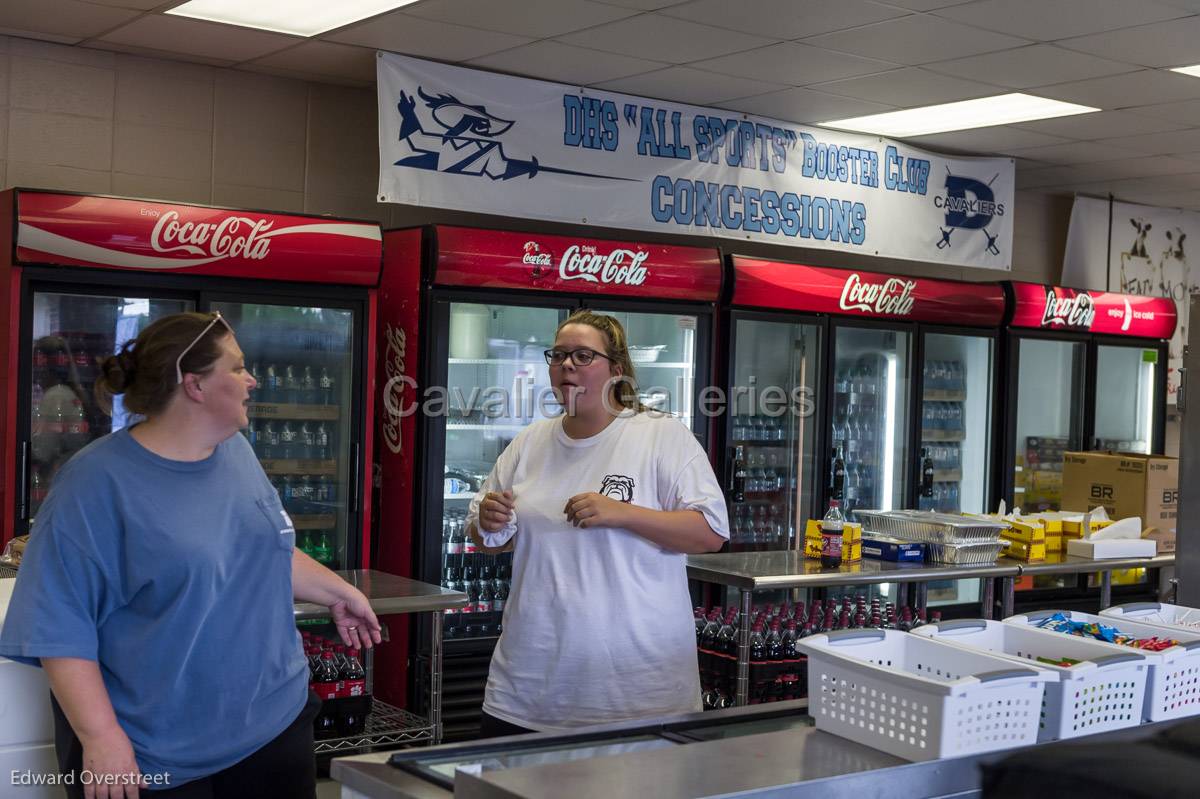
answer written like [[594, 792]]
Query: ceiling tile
[[673, 40], [1163, 44], [909, 87], [915, 40], [1047, 176], [804, 106], [1076, 152], [793, 63], [1186, 112], [207, 39], [536, 18], [324, 58], [986, 141], [784, 19], [1102, 125], [1035, 65], [1037, 19], [687, 85], [150, 52], [925, 5], [640, 5], [1144, 166], [1122, 91], [60, 20], [1176, 141], [400, 33], [571, 64]]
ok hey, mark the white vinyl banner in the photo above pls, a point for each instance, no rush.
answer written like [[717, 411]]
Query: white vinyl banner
[[470, 140], [1146, 254]]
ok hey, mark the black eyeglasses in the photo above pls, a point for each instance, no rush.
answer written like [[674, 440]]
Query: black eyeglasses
[[580, 357]]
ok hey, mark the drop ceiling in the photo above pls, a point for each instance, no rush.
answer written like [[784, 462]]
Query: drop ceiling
[[804, 61]]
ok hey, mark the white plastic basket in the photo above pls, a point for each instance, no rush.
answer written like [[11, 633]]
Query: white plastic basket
[[1173, 677], [1104, 691], [1175, 618], [917, 698]]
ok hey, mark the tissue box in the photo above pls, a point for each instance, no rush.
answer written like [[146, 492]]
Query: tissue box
[[1113, 548], [1146, 486]]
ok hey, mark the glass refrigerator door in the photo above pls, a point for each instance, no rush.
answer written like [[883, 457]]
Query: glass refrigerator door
[[1049, 408], [72, 335], [1126, 384], [771, 468], [870, 415], [663, 350], [497, 383], [956, 421], [301, 413]]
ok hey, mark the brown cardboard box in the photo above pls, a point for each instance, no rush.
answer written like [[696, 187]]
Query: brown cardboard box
[[1124, 484]]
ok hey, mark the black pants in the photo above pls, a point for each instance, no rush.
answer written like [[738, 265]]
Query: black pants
[[492, 727], [283, 768]]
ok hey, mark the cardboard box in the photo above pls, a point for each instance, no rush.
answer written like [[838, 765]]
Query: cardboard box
[[1025, 532], [1146, 486], [1020, 550], [1054, 543], [1073, 528], [893, 550]]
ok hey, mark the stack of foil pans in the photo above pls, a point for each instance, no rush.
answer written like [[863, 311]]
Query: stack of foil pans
[[960, 540]]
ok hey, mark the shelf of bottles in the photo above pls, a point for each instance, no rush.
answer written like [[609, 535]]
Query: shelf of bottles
[[778, 669], [298, 424], [484, 578], [858, 425], [763, 482], [943, 429]]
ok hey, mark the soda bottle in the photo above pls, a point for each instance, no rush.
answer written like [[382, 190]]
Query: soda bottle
[[324, 489], [269, 444], [926, 474], [287, 442], [303, 493], [37, 488], [321, 443], [271, 384], [486, 597], [353, 717], [738, 488], [323, 548], [308, 386], [287, 493], [831, 535], [325, 685], [325, 385], [307, 441], [472, 589]]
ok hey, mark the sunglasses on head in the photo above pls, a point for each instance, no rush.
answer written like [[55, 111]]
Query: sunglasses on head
[[179, 361]]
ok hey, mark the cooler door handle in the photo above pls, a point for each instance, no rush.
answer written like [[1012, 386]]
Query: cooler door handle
[[1181, 391], [355, 478], [23, 485]]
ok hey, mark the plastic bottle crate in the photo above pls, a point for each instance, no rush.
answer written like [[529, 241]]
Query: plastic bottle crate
[[1104, 691], [1173, 675], [918, 698], [1175, 618]]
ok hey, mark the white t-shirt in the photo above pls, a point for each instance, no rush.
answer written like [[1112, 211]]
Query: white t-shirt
[[598, 625]]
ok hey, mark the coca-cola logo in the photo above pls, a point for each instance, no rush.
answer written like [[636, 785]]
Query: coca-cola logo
[[893, 296], [232, 237], [534, 256], [1076, 311], [394, 368], [620, 267]]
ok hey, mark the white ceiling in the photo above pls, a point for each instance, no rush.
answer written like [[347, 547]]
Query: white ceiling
[[803, 61]]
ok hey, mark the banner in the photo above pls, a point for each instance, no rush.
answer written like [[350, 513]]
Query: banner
[[1144, 254], [470, 140]]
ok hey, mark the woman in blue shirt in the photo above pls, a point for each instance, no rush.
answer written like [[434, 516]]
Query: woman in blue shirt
[[158, 584]]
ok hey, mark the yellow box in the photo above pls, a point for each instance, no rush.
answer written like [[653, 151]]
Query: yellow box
[[851, 531], [812, 547], [851, 551], [1030, 553], [1074, 529], [1053, 526], [1054, 543], [1026, 532]]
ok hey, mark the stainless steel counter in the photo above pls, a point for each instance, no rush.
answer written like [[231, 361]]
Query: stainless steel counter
[[389, 593], [761, 571], [1071, 564]]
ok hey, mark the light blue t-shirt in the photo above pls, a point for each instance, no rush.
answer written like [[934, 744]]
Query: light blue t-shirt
[[177, 578]]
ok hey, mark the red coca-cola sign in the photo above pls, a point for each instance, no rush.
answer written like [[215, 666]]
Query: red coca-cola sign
[[1058, 308], [112, 233], [499, 259], [796, 287]]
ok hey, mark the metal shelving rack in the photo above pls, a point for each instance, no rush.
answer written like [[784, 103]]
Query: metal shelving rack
[[386, 726]]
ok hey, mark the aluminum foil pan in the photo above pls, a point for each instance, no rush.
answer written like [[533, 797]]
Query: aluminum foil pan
[[963, 554], [930, 528]]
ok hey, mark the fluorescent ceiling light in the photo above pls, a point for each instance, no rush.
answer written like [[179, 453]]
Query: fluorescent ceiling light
[[297, 17], [1003, 109], [1193, 70]]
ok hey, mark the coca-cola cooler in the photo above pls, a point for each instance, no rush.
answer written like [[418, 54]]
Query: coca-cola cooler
[[464, 371], [84, 274], [880, 367], [1086, 370]]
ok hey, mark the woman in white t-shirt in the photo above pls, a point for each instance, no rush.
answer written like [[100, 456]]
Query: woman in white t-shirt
[[601, 507]]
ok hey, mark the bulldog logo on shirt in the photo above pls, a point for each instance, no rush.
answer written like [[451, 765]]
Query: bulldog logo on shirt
[[618, 486]]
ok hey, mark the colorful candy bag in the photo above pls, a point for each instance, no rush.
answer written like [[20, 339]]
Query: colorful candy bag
[[1060, 622]]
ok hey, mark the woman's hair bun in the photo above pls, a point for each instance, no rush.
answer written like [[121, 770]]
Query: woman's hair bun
[[119, 370]]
